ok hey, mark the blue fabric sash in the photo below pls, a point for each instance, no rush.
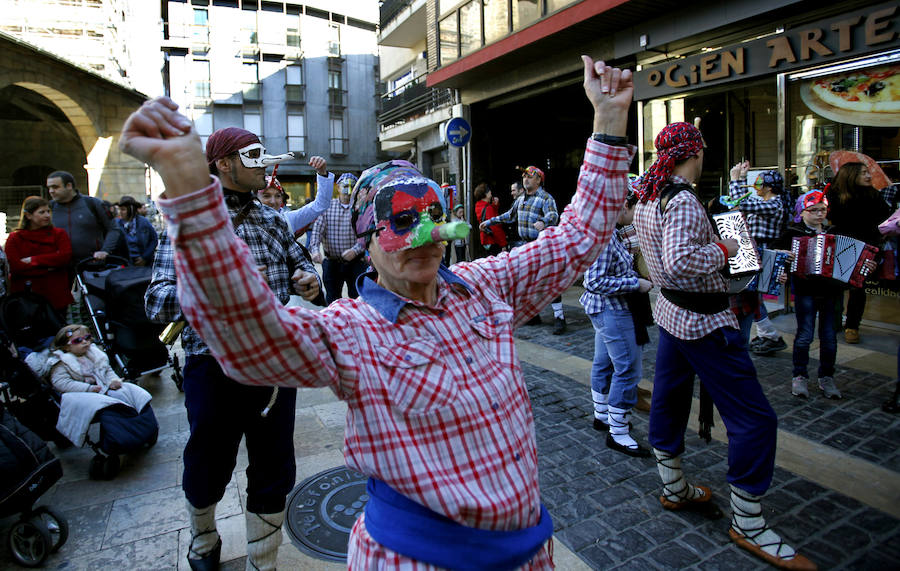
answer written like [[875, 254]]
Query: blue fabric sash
[[415, 531]]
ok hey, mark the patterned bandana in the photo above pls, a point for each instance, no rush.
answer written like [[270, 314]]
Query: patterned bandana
[[226, 141], [675, 142], [772, 179], [530, 171], [806, 200], [403, 207]]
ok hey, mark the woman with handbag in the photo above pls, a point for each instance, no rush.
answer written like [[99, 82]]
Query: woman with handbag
[[493, 240]]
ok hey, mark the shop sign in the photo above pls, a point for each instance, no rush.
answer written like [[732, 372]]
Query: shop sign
[[852, 34]]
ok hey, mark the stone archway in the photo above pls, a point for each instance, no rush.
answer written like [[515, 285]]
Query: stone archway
[[73, 111], [95, 107]]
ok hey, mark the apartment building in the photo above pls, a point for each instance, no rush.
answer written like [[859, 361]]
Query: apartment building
[[412, 113], [302, 75], [112, 38]]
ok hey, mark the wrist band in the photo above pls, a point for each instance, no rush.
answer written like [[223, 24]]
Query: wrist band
[[723, 248], [609, 139]]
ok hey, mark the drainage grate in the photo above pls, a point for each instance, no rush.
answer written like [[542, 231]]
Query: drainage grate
[[322, 509]]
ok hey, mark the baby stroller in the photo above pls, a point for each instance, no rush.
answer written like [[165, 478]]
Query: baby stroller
[[37, 405], [113, 293], [27, 469]]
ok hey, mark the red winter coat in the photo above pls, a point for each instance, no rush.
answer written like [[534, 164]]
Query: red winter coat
[[494, 233], [50, 251]]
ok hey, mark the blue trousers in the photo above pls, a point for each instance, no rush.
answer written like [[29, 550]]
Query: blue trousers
[[617, 357], [220, 411], [806, 308], [336, 273], [721, 361]]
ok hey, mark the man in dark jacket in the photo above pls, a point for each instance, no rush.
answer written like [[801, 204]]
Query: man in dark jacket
[[92, 232]]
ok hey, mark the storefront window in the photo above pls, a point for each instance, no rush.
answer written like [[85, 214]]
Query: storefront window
[[738, 123], [496, 20], [525, 12], [449, 40], [470, 27], [818, 127], [554, 5]]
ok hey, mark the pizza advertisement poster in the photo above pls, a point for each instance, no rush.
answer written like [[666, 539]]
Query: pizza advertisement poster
[[867, 97]]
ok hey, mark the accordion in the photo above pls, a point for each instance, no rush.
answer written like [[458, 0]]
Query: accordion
[[832, 256], [745, 264], [774, 264]]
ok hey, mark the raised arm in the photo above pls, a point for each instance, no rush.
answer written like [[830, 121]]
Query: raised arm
[[307, 214], [529, 277], [222, 293]]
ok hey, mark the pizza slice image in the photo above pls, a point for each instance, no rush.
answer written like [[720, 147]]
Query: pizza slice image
[[867, 96], [870, 90]]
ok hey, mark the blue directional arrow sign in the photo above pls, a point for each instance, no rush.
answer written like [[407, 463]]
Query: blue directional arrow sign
[[458, 132]]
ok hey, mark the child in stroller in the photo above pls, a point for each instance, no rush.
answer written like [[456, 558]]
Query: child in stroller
[[82, 373]]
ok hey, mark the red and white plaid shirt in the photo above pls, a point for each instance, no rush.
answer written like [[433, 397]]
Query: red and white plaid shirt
[[437, 404], [680, 252]]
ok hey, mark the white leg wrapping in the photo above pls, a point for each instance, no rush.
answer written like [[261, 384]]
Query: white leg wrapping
[[618, 427], [675, 487], [600, 407], [263, 539], [203, 530], [747, 519], [764, 328], [558, 310]]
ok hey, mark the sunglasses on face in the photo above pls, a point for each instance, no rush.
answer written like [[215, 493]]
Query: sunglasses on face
[[404, 221], [82, 339]]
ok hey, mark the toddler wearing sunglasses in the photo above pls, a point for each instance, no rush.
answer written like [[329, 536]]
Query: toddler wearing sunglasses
[[79, 366]]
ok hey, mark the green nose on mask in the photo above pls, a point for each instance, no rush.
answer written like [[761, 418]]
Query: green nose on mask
[[427, 232]]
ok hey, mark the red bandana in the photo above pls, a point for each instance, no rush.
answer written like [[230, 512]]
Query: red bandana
[[675, 142]]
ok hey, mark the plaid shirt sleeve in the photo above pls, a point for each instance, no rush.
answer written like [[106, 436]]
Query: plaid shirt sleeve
[[550, 214], [531, 276], [230, 304], [509, 216], [315, 235], [889, 194], [160, 299], [737, 188], [610, 276]]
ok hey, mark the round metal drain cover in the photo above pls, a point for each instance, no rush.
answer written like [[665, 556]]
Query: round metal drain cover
[[322, 509]]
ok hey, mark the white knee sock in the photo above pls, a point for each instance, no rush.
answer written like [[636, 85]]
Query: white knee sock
[[765, 329], [203, 531], [747, 519], [675, 487], [263, 539], [600, 407], [618, 427], [557, 310]]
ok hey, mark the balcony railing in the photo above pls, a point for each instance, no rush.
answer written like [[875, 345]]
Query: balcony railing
[[252, 91], [412, 101], [339, 146], [337, 98], [295, 94], [389, 9]]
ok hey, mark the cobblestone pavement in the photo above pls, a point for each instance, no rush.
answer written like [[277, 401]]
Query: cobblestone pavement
[[605, 504]]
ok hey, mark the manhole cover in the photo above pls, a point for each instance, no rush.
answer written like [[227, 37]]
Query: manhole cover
[[322, 510]]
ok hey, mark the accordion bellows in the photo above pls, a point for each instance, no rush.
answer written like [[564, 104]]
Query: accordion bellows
[[832, 256]]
